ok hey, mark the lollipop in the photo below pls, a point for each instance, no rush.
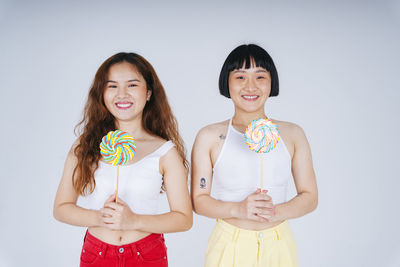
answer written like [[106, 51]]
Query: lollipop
[[261, 136], [117, 148]]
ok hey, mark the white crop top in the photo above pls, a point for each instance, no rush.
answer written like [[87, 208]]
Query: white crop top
[[139, 183], [237, 171]]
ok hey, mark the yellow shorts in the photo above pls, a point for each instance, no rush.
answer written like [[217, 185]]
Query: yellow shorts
[[230, 246]]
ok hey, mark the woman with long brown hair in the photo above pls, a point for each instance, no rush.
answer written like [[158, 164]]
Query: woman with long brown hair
[[127, 95]]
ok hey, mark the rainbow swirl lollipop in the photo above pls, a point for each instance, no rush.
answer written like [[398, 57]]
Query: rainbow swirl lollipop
[[261, 135], [117, 147]]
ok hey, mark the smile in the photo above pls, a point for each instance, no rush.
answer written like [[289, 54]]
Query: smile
[[250, 97], [123, 105]]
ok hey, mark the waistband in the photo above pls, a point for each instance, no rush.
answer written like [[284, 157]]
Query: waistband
[[103, 248], [273, 232]]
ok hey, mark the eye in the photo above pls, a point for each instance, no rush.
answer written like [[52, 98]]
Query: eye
[[112, 86], [260, 77], [240, 77], [132, 85]]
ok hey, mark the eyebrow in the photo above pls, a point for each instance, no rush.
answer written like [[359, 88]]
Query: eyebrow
[[262, 70], [257, 71], [134, 80]]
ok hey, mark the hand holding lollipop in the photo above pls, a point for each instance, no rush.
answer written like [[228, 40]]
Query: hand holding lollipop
[[261, 136], [117, 148]]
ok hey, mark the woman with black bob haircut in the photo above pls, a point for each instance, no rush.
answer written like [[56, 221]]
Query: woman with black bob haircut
[[248, 54], [252, 214]]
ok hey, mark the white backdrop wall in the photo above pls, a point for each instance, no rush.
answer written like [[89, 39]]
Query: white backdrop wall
[[338, 65]]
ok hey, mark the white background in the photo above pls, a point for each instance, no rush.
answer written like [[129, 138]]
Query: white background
[[339, 72]]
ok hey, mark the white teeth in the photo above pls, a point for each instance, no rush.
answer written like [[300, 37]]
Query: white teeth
[[124, 105], [250, 96]]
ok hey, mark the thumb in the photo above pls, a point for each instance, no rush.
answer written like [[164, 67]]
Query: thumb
[[111, 198], [120, 201]]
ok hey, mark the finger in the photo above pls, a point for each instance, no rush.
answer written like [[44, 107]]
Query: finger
[[256, 192], [107, 212], [258, 218], [111, 205], [262, 196], [120, 201], [108, 220], [265, 217], [263, 204], [265, 212], [111, 198], [254, 195]]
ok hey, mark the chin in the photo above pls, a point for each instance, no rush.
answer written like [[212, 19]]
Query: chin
[[248, 109]]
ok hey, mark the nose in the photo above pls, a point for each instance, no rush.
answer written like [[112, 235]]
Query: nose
[[122, 91], [251, 85]]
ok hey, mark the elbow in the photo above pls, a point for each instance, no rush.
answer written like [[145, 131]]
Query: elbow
[[198, 211], [59, 212], [196, 207], [314, 203], [187, 222], [56, 213]]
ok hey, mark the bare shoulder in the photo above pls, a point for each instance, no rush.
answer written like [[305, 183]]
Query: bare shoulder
[[211, 134], [291, 133], [149, 144], [289, 129], [213, 128], [71, 153], [160, 141], [210, 140]]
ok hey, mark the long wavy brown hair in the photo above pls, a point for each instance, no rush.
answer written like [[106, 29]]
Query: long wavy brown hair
[[97, 121]]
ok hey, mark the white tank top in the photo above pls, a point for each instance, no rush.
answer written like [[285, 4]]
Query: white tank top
[[139, 183], [237, 171]]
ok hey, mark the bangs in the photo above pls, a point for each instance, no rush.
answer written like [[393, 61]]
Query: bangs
[[247, 57]]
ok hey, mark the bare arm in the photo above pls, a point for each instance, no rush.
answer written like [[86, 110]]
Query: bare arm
[[118, 216], [304, 178], [206, 205], [65, 208]]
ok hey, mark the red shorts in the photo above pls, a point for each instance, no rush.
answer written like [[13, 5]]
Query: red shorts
[[146, 252]]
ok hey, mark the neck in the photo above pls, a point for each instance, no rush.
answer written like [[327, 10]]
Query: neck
[[245, 118], [133, 128]]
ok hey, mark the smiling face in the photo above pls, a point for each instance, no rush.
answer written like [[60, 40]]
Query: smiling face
[[249, 88], [126, 92]]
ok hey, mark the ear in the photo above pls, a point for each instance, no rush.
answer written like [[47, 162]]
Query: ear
[[148, 95]]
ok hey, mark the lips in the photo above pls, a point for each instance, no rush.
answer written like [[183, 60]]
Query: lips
[[123, 105], [250, 97]]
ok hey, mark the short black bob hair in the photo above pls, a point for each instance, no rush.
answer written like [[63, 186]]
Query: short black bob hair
[[247, 54]]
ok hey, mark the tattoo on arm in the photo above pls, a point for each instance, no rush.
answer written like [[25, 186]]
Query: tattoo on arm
[[222, 137], [203, 183]]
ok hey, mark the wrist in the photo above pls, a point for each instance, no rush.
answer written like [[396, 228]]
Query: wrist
[[135, 222], [278, 215], [234, 210], [97, 222]]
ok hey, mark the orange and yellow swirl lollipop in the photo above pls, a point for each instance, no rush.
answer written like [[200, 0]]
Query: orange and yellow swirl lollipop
[[261, 136], [117, 148]]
